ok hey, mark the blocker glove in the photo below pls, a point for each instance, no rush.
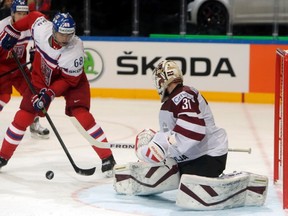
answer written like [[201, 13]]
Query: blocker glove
[[9, 37], [43, 99]]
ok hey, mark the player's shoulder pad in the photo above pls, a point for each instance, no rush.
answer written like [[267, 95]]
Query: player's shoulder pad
[[75, 44], [39, 21]]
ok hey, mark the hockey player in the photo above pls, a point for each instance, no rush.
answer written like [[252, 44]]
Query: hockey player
[[57, 71], [19, 9], [188, 153], [187, 129]]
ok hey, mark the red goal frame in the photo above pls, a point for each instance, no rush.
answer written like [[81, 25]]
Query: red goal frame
[[281, 122]]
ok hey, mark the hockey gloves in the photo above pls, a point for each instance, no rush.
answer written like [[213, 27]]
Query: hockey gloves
[[151, 147], [43, 99], [9, 37]]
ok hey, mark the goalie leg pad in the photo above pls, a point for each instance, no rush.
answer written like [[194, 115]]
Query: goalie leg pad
[[228, 191], [142, 178]]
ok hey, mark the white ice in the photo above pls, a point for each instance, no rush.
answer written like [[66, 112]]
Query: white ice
[[25, 191]]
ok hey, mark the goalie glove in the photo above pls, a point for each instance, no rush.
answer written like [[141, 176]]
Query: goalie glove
[[151, 147]]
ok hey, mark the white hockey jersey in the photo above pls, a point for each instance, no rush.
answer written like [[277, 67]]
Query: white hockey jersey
[[52, 64], [186, 116]]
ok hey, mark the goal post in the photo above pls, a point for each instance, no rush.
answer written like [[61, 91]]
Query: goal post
[[281, 123]]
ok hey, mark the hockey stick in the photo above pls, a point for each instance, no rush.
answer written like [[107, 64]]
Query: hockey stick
[[248, 150], [87, 136], [131, 146], [78, 170], [98, 144], [10, 71]]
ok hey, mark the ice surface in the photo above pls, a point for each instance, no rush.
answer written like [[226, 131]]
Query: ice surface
[[24, 190]]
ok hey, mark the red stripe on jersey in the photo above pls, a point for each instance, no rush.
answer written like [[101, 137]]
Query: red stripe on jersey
[[189, 134], [193, 120]]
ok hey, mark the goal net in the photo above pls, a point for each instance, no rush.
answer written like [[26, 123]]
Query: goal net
[[281, 123]]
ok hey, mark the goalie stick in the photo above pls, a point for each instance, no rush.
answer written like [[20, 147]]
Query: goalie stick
[[78, 170], [98, 144], [131, 146]]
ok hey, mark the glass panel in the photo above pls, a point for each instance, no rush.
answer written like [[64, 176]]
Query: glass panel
[[181, 17]]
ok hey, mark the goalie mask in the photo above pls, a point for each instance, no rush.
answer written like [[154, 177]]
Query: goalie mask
[[165, 73]]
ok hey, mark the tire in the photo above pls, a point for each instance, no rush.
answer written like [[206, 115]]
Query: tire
[[212, 18]]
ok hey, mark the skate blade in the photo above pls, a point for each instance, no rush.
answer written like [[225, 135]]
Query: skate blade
[[39, 136]]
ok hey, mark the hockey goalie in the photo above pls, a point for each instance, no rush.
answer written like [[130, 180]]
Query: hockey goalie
[[155, 173], [187, 154]]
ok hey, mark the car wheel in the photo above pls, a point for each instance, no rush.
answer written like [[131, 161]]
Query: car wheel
[[212, 18]]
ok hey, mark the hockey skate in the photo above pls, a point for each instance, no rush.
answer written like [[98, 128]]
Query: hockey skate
[[3, 162], [108, 165], [37, 131]]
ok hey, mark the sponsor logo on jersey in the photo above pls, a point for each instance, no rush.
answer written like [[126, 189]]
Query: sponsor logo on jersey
[[93, 64], [78, 71], [177, 99]]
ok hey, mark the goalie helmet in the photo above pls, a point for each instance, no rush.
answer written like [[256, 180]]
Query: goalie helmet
[[19, 6], [165, 73], [63, 23]]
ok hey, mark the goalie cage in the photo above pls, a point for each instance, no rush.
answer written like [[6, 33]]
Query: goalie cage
[[281, 123]]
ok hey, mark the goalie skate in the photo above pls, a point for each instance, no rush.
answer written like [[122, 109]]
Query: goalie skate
[[140, 178], [228, 191], [37, 131]]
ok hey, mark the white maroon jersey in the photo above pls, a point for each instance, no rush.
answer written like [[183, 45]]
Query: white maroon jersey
[[51, 65], [187, 116], [6, 59]]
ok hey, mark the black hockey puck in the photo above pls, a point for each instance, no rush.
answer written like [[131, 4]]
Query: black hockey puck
[[49, 174]]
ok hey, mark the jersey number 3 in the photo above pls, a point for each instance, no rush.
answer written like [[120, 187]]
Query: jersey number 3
[[186, 104]]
